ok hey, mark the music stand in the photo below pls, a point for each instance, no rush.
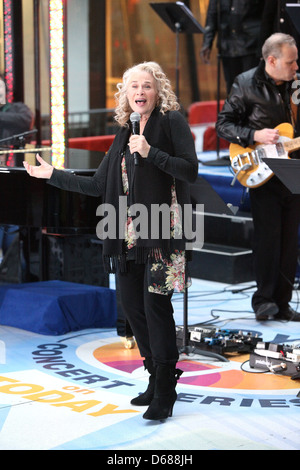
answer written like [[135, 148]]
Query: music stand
[[293, 10], [180, 19], [287, 170], [202, 191]]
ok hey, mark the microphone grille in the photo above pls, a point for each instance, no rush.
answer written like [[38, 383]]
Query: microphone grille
[[135, 117]]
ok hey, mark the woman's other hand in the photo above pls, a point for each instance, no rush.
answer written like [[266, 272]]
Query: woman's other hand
[[44, 170]]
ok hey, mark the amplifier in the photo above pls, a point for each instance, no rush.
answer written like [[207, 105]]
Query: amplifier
[[277, 358], [217, 340]]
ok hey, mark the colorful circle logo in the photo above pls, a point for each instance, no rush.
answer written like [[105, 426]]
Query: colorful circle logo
[[197, 373]]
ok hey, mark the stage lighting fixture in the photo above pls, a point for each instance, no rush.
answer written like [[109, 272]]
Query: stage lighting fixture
[[8, 49], [57, 82]]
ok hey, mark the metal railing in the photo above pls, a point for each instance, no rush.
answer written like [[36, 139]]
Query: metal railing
[[85, 123]]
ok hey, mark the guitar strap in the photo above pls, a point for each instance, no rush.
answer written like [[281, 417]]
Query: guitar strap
[[294, 112]]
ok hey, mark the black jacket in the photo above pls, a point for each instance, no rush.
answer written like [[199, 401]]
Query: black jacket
[[172, 157], [254, 103], [275, 19], [237, 23], [15, 118], [172, 153]]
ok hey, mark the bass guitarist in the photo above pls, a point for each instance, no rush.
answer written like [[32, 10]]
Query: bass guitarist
[[261, 99]]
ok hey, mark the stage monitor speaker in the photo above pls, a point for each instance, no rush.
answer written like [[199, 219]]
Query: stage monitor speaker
[[74, 259], [10, 267]]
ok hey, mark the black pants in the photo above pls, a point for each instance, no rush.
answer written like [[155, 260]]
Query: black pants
[[233, 66], [276, 215], [150, 316], [123, 327]]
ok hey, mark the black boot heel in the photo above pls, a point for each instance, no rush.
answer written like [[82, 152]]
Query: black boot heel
[[171, 411]]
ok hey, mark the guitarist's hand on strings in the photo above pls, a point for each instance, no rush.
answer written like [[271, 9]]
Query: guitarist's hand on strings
[[266, 136]]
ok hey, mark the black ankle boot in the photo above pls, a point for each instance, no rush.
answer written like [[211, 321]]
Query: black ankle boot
[[161, 407], [145, 398]]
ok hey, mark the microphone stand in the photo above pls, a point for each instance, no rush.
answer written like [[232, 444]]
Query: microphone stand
[[179, 19], [21, 137], [178, 28], [220, 161], [18, 141]]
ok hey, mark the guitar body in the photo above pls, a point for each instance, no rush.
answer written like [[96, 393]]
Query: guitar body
[[247, 162]]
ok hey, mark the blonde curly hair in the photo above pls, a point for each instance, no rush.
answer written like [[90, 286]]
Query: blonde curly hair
[[167, 100]]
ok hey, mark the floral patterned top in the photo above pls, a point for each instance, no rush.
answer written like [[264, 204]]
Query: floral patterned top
[[164, 275]]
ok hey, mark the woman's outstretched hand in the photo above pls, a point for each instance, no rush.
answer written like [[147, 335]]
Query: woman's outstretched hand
[[44, 170]]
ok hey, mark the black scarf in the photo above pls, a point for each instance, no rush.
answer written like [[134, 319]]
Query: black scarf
[[150, 186]]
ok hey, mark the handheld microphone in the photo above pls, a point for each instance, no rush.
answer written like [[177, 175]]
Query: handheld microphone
[[135, 121]]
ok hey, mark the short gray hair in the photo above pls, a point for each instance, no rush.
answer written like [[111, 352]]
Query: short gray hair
[[273, 45]]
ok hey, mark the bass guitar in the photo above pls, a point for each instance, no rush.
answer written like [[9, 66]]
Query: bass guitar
[[247, 163]]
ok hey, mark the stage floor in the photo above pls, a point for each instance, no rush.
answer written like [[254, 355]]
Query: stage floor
[[73, 392]]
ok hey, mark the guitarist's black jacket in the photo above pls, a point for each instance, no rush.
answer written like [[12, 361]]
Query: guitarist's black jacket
[[254, 103]]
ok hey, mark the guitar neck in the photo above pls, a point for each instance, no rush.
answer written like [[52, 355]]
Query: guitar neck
[[292, 145]]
